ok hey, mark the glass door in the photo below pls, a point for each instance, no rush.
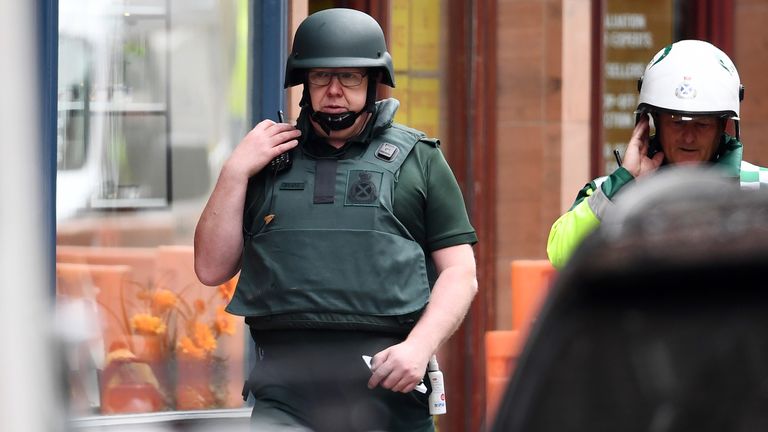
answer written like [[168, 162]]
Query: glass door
[[151, 100]]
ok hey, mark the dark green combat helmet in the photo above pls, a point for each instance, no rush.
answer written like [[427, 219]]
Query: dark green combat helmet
[[338, 37]]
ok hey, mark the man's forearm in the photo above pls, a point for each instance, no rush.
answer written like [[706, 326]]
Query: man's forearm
[[449, 302]]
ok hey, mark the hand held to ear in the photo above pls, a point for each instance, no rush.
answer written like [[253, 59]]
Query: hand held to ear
[[636, 159], [261, 145]]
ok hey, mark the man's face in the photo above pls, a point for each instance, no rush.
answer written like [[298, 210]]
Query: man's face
[[346, 90], [688, 139]]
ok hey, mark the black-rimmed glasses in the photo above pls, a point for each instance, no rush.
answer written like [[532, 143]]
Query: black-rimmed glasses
[[347, 79]]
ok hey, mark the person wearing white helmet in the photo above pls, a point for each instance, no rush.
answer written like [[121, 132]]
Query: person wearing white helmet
[[690, 90]]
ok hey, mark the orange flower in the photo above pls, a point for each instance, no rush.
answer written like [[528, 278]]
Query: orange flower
[[203, 337], [224, 323], [227, 289], [163, 300], [199, 305], [187, 347], [147, 324], [200, 343], [186, 326]]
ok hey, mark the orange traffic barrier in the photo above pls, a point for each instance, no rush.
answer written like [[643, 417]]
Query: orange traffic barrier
[[501, 350], [530, 281]]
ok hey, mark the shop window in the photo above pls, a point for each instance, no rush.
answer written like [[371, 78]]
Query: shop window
[[151, 100]]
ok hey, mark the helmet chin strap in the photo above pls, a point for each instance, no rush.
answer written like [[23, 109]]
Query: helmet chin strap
[[335, 122]]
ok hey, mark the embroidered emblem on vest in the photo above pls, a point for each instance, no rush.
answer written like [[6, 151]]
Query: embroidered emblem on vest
[[364, 189]]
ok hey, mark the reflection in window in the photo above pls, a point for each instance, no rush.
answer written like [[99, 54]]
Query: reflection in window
[[151, 100], [114, 70]]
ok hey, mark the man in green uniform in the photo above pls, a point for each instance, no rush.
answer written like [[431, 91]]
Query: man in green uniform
[[690, 89], [359, 246]]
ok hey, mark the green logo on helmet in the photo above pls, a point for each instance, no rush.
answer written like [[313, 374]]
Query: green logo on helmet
[[667, 49], [730, 68]]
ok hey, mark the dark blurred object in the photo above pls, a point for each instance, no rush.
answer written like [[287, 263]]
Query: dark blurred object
[[660, 320]]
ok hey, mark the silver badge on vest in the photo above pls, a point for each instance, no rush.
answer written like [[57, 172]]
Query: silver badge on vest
[[387, 152]]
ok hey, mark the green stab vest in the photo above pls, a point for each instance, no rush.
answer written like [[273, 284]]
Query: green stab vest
[[333, 253]]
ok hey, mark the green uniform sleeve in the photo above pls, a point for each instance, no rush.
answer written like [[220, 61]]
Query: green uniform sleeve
[[591, 204]]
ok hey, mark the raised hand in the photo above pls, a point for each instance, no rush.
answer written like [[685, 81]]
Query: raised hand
[[262, 144], [636, 159]]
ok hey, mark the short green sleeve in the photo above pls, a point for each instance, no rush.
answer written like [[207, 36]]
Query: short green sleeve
[[429, 202]]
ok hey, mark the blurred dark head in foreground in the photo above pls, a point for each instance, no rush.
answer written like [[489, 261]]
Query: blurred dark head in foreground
[[659, 322]]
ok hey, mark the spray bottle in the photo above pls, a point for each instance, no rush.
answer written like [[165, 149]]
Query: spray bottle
[[437, 403]]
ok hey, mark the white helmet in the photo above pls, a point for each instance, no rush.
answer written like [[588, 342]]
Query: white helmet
[[691, 77]]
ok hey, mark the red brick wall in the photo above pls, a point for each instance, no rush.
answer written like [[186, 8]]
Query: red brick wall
[[751, 59], [528, 134]]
